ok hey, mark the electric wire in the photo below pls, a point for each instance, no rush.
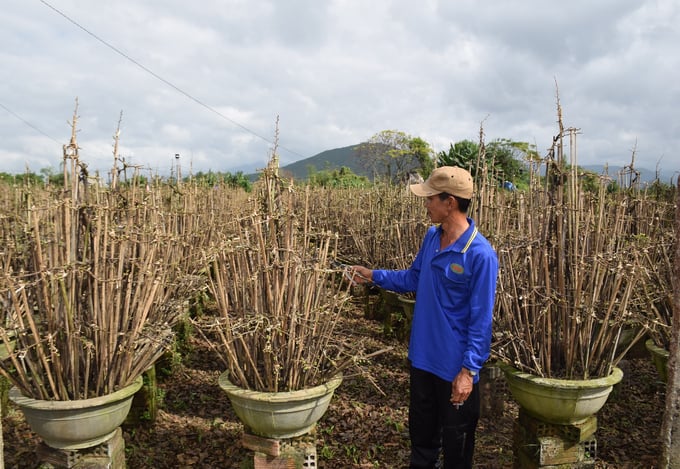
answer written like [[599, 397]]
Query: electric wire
[[29, 124], [165, 81]]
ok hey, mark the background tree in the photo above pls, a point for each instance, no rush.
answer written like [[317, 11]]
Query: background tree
[[23, 178], [228, 179], [424, 154], [462, 154], [504, 157], [137, 180], [336, 178], [391, 155]]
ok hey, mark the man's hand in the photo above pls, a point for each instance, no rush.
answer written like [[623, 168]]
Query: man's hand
[[361, 274], [461, 387]]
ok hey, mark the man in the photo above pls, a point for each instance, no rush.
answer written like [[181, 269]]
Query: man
[[454, 276]]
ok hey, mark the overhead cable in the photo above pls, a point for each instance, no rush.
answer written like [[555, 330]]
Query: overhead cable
[[165, 81], [28, 123]]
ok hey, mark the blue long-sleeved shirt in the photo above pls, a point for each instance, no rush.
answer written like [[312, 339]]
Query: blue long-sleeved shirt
[[455, 291]]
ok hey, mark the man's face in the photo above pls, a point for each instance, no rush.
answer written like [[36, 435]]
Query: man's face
[[437, 209]]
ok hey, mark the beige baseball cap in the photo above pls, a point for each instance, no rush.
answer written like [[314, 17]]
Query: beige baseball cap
[[450, 179]]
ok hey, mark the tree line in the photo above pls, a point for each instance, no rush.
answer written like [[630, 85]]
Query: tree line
[[393, 157], [389, 156], [210, 178]]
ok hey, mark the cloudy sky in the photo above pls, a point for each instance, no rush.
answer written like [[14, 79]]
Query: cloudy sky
[[207, 79]]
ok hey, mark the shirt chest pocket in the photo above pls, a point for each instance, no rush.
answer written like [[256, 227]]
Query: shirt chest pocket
[[455, 284]]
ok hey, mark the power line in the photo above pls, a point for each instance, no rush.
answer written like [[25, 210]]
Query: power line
[[29, 124], [163, 80]]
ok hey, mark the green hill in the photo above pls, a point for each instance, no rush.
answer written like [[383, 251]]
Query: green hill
[[346, 156], [326, 160]]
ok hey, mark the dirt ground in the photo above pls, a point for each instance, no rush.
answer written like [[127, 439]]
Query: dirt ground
[[363, 428]]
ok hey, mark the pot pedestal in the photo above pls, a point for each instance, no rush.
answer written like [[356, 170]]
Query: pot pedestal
[[271, 453], [537, 444], [107, 455]]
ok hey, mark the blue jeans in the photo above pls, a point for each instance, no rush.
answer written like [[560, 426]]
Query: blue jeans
[[437, 426]]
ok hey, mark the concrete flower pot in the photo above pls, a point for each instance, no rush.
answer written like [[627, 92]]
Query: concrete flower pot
[[77, 424], [402, 330], [559, 401], [279, 414]]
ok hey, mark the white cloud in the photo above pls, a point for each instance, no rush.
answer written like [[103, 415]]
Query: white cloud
[[336, 73]]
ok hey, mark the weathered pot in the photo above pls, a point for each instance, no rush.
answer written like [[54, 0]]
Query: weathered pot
[[407, 305], [76, 424], [659, 358], [279, 414], [559, 401], [402, 329], [388, 304]]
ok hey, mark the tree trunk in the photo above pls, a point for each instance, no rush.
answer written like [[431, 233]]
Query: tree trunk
[[670, 427], [2, 448]]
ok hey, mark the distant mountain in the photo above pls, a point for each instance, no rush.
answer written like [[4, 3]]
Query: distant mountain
[[346, 156], [326, 160]]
